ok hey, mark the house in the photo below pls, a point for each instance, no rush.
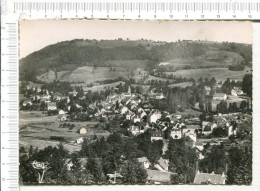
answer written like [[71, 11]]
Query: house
[[190, 133], [156, 135], [74, 93], [123, 110], [61, 112], [136, 119], [146, 127], [51, 106], [232, 130], [135, 130], [27, 103], [39, 90], [79, 140], [83, 130], [158, 177], [162, 165], [207, 127], [236, 91], [143, 114], [62, 118], [190, 130], [209, 178], [159, 96], [128, 115], [176, 133], [220, 96], [144, 161], [155, 116], [140, 110]]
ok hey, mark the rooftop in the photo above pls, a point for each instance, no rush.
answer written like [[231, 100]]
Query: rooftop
[[209, 178], [158, 176]]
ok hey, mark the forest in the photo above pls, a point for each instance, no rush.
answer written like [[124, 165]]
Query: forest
[[99, 157]]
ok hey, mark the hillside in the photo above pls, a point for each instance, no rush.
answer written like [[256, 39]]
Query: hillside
[[66, 57]]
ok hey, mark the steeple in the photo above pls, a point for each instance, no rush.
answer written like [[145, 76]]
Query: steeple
[[129, 90]]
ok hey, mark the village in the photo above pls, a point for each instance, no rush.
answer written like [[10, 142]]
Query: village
[[203, 124]]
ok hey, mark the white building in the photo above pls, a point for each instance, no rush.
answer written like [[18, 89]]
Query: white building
[[61, 118], [220, 96], [123, 110], [144, 161], [155, 116], [51, 106], [176, 133], [135, 130], [83, 130], [61, 112], [207, 127], [156, 135]]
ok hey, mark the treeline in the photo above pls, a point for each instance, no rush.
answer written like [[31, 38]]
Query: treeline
[[243, 49], [99, 157], [235, 161], [236, 67]]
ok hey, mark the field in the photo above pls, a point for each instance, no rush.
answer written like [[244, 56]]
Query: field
[[182, 85], [36, 129], [213, 58], [221, 74], [98, 87]]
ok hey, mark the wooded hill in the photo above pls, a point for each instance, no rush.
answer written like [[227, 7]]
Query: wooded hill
[[69, 55]]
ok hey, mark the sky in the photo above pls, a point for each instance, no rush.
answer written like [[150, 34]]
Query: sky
[[36, 34]]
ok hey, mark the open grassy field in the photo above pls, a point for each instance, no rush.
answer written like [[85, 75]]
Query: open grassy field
[[37, 129], [182, 85], [220, 74], [98, 87], [86, 74], [130, 64], [213, 58]]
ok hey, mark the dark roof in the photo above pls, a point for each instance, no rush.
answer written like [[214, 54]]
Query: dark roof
[[209, 178]]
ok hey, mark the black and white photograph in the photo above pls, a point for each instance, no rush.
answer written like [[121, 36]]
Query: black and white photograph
[[133, 102]]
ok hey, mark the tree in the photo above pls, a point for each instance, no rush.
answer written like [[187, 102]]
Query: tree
[[182, 158], [214, 159], [133, 173], [155, 151], [240, 165], [176, 179], [94, 166], [243, 105], [210, 106], [201, 105], [247, 84]]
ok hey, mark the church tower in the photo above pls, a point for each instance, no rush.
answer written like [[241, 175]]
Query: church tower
[[129, 90]]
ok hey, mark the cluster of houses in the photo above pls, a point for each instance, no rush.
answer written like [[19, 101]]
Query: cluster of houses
[[142, 117]]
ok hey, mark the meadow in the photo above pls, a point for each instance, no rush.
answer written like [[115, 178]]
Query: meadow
[[221, 74], [37, 129]]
